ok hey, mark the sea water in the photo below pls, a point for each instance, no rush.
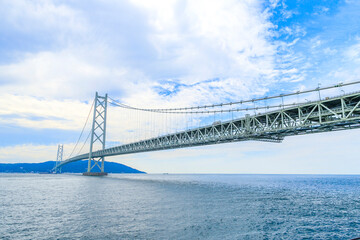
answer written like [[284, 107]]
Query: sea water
[[147, 206]]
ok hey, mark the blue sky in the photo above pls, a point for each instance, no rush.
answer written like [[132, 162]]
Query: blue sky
[[55, 54]]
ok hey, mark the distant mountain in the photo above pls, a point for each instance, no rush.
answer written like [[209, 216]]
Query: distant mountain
[[75, 167]]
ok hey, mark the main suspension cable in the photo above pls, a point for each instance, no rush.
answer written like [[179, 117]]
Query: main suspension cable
[[84, 143], [82, 131], [218, 111], [171, 110]]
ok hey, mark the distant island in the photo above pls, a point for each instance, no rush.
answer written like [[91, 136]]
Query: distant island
[[75, 167]]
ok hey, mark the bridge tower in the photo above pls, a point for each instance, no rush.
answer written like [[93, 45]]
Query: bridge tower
[[98, 135], [59, 157]]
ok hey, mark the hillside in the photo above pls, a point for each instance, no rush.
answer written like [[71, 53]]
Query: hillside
[[75, 167]]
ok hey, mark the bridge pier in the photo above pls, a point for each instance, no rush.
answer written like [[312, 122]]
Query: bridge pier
[[98, 134], [95, 174]]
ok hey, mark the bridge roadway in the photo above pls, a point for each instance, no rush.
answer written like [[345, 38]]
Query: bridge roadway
[[330, 114]]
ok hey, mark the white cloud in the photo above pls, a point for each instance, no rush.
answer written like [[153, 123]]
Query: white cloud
[[204, 40], [274, 3], [194, 42], [31, 112], [293, 31], [44, 18], [353, 52], [316, 42], [321, 10], [217, 39], [330, 51], [28, 153]]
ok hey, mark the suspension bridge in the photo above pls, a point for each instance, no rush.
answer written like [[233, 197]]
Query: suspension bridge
[[268, 119]]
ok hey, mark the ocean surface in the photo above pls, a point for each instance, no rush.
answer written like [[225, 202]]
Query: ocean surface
[[146, 206]]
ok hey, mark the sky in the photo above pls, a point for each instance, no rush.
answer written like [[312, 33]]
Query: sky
[[55, 54]]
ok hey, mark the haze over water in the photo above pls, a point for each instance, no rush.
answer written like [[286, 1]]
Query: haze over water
[[123, 206]]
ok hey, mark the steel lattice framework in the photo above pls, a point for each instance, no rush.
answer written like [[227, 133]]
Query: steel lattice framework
[[59, 157], [330, 114], [98, 132]]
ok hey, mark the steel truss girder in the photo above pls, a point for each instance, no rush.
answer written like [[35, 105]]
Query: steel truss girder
[[331, 114]]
